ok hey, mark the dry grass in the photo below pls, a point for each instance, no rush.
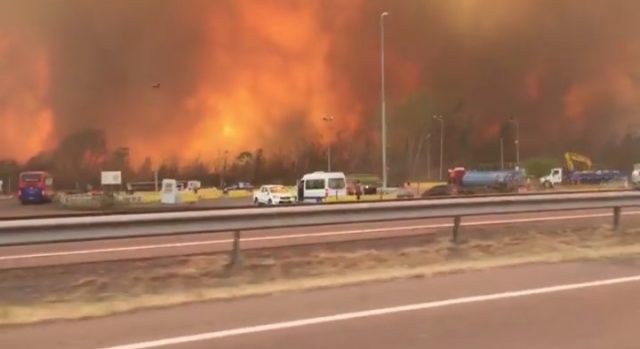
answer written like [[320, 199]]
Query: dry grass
[[159, 283]]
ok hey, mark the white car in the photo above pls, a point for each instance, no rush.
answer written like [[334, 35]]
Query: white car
[[273, 195]]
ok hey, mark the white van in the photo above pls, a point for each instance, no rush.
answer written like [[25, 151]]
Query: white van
[[635, 176], [317, 186]]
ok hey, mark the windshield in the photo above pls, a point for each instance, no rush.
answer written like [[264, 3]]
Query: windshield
[[31, 177]]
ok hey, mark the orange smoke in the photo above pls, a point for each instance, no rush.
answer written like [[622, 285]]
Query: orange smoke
[[238, 75], [281, 71], [26, 120]]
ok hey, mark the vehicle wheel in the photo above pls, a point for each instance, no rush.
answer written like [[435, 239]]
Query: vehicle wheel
[[547, 185], [270, 202], [255, 201]]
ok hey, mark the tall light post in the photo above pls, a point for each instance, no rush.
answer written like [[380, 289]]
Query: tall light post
[[515, 122], [383, 106], [441, 119], [428, 138], [224, 170], [502, 153], [328, 119]]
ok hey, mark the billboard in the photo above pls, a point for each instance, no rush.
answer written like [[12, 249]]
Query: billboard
[[111, 178]]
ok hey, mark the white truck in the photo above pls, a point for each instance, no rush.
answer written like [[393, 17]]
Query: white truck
[[635, 176], [554, 178]]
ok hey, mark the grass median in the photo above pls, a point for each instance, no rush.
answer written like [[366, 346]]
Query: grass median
[[99, 289]]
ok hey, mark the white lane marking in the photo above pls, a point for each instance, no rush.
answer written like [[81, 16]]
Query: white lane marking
[[307, 235], [370, 313]]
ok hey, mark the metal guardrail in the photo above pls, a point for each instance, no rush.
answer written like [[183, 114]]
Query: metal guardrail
[[245, 205], [65, 229]]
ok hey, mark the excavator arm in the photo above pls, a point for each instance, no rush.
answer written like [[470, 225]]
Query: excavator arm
[[574, 158]]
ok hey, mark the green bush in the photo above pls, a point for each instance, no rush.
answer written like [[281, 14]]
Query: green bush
[[541, 166]]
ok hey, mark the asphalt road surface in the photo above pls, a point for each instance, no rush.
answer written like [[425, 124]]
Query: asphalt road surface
[[105, 250], [572, 305]]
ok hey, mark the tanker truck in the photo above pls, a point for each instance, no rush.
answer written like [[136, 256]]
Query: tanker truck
[[470, 182]]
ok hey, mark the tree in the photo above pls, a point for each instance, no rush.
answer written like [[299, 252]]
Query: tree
[[9, 171], [79, 158], [145, 171], [170, 168], [120, 161]]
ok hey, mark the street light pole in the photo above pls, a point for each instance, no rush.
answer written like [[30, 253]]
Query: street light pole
[[383, 102], [517, 140], [328, 119], [501, 153], [429, 157], [441, 119]]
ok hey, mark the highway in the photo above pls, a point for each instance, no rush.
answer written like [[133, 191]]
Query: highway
[[136, 248], [570, 305]]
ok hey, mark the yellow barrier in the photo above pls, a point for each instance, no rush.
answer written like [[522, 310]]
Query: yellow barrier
[[239, 193], [353, 198], [209, 194], [148, 197], [188, 197], [421, 187]]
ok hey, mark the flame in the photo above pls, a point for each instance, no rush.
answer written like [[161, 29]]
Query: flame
[[240, 75], [25, 118], [281, 72]]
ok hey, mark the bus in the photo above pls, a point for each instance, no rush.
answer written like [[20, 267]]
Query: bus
[[35, 187]]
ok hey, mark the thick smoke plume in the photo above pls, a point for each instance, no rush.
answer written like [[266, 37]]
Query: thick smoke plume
[[189, 78]]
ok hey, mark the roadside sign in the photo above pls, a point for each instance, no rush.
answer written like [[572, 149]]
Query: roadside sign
[[111, 178]]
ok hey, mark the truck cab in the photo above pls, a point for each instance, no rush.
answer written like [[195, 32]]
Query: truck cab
[[555, 177]]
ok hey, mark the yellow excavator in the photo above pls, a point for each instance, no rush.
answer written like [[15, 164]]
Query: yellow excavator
[[577, 162], [574, 163]]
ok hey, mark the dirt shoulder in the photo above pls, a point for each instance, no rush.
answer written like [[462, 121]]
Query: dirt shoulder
[[99, 289]]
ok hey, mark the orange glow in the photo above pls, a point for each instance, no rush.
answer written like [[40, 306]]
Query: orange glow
[[280, 74], [198, 78], [26, 122]]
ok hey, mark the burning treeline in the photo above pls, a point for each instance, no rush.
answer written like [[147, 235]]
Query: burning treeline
[[196, 79]]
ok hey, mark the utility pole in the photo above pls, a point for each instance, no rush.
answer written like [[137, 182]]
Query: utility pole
[[517, 140], [155, 180], [502, 153], [441, 119], [429, 157], [329, 120], [383, 106], [224, 169]]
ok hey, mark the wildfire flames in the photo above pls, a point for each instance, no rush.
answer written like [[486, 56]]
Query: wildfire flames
[[188, 78]]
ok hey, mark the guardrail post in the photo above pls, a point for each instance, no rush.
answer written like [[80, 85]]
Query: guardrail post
[[617, 227], [236, 255], [456, 228]]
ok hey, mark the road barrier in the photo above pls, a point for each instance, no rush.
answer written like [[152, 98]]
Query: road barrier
[[65, 229], [241, 193]]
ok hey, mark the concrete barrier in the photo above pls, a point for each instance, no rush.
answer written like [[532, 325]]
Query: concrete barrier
[[188, 197], [419, 188], [353, 198], [149, 197], [209, 194], [87, 201], [239, 193]]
